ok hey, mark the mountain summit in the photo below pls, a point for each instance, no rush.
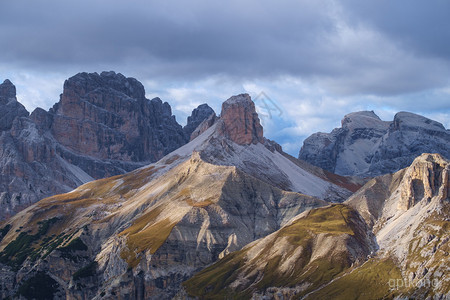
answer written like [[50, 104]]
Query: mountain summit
[[240, 122], [367, 146], [10, 108]]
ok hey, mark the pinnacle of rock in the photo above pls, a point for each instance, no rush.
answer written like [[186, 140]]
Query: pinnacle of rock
[[240, 121]]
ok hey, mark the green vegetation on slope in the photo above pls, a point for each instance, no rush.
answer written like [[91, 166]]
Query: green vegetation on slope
[[4, 231], [371, 281], [75, 245], [86, 271], [214, 281], [15, 253]]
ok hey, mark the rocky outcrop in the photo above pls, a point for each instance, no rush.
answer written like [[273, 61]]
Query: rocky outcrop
[[107, 116], [408, 211], [10, 108], [368, 146], [239, 121], [102, 126], [203, 126], [426, 178], [198, 116]]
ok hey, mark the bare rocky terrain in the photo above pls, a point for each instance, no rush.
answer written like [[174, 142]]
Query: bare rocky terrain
[[366, 146], [102, 126]]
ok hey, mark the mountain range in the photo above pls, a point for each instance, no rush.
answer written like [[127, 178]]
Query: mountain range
[[226, 214], [102, 126], [366, 146]]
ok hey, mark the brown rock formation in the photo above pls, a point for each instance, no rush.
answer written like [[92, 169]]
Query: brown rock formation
[[107, 116], [240, 121]]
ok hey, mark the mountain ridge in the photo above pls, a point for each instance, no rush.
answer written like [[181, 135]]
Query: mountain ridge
[[366, 146], [102, 126]]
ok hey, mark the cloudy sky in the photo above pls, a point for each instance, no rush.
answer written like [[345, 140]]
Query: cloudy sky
[[313, 60]]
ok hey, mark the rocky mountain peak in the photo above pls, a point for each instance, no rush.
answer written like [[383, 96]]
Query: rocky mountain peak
[[406, 120], [83, 83], [368, 146], [102, 126], [199, 114], [427, 177], [7, 91], [240, 121], [362, 119], [107, 116], [10, 108]]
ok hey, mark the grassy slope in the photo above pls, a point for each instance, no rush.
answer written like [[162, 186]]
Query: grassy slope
[[370, 281], [213, 282]]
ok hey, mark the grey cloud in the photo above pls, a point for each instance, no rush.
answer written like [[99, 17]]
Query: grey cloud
[[173, 40], [420, 26]]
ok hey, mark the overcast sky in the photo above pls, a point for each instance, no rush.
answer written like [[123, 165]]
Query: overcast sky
[[314, 60]]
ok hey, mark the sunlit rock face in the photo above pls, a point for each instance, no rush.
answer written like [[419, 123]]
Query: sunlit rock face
[[240, 122]]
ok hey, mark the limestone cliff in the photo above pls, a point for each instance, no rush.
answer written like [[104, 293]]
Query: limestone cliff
[[410, 219]]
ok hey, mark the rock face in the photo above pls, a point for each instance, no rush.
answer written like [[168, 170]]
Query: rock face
[[367, 146], [10, 108], [427, 178], [200, 114], [203, 126], [409, 213], [240, 122], [107, 116], [102, 126], [141, 234]]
